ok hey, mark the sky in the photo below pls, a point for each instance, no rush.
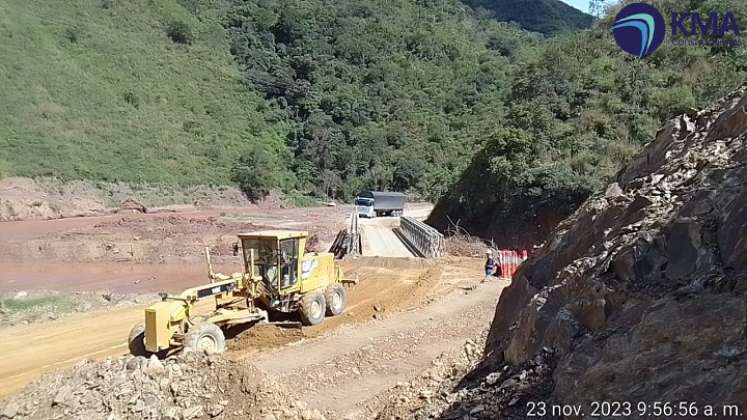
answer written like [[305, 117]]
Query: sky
[[579, 4]]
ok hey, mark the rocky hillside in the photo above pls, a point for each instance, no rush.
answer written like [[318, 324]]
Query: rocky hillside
[[639, 296], [579, 109]]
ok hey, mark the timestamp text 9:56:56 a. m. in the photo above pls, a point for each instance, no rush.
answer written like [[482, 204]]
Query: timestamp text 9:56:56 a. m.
[[625, 409]]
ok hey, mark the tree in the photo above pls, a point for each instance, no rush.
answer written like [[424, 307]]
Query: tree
[[393, 97], [596, 8], [256, 173]]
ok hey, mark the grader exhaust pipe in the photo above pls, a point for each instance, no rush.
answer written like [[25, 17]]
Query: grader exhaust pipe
[[211, 274]]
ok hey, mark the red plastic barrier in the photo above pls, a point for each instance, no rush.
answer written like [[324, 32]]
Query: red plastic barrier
[[510, 260], [509, 264], [504, 263]]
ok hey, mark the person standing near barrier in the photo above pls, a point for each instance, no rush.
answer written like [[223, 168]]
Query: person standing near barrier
[[490, 265]]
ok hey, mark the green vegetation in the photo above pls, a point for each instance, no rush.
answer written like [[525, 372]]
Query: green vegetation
[[323, 98], [54, 303], [134, 91], [578, 109], [301, 200], [386, 97], [549, 17]]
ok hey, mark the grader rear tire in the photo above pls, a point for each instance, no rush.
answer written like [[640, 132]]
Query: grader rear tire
[[136, 340], [336, 298], [312, 308], [207, 338]]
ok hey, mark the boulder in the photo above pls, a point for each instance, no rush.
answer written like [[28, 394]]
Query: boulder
[[132, 205]]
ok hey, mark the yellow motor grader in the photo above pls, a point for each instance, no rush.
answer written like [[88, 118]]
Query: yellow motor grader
[[278, 275]]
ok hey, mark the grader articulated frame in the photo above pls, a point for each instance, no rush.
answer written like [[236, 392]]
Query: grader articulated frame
[[278, 275]]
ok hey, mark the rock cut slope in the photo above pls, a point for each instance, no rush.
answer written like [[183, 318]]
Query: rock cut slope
[[639, 296]]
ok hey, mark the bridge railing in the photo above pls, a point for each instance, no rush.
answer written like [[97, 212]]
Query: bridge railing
[[425, 239]]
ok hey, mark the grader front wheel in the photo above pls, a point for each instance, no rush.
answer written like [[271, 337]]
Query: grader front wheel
[[336, 299], [207, 338], [312, 308]]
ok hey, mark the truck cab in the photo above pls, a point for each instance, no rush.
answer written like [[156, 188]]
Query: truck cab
[[365, 207]]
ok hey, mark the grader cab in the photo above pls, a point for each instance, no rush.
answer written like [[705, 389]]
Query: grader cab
[[278, 276]]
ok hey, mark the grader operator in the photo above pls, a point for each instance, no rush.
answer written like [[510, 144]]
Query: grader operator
[[277, 276]]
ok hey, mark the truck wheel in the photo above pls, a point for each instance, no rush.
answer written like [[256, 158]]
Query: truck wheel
[[207, 338], [336, 298], [312, 309], [136, 340]]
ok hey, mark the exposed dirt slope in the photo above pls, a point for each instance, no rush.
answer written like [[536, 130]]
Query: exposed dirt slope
[[639, 296], [166, 237], [24, 199], [48, 198]]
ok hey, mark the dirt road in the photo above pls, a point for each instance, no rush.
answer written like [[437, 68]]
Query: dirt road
[[386, 287], [112, 277], [388, 310], [137, 253], [352, 365], [29, 351], [32, 350], [419, 211]]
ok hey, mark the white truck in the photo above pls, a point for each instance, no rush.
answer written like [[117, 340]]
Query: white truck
[[380, 203]]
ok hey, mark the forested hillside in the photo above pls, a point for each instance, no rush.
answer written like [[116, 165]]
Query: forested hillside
[[549, 17], [324, 98], [578, 108], [388, 96], [134, 91]]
